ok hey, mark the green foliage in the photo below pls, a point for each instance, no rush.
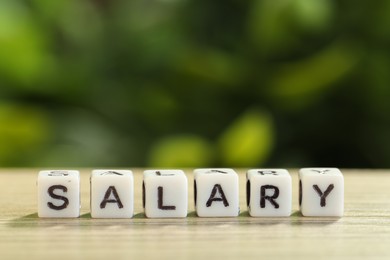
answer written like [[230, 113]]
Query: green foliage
[[194, 83], [278, 26], [23, 131], [181, 151], [299, 82], [248, 141], [22, 52]]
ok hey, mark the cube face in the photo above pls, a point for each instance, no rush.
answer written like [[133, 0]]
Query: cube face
[[321, 192], [58, 194], [216, 193], [165, 194], [269, 193], [112, 194]]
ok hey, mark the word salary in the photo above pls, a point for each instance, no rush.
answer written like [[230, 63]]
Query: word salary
[[216, 193]]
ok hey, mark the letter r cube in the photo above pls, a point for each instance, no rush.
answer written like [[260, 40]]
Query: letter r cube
[[321, 192], [269, 192], [58, 194]]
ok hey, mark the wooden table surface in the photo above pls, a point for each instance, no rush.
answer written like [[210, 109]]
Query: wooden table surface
[[363, 232]]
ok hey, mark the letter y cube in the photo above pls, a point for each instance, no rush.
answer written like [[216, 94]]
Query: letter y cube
[[321, 192]]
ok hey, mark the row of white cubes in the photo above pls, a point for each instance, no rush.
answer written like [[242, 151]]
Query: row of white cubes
[[216, 193]]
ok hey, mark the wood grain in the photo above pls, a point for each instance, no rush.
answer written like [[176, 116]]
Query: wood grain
[[363, 232]]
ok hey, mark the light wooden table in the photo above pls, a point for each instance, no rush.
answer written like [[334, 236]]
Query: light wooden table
[[363, 232]]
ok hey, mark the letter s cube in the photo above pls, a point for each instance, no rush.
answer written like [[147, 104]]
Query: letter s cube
[[321, 192], [58, 194]]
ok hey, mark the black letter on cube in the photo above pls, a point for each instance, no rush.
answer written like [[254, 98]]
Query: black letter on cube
[[106, 199], [217, 187], [271, 199], [160, 200], [323, 195], [55, 196]]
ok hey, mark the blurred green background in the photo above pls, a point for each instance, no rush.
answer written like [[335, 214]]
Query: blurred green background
[[194, 83]]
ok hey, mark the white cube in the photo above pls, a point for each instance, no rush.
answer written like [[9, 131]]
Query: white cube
[[216, 193], [112, 194], [58, 194], [165, 194], [321, 192], [269, 192]]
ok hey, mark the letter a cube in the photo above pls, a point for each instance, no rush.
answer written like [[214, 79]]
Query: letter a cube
[[216, 193], [269, 193], [165, 194], [112, 194], [58, 194], [321, 192]]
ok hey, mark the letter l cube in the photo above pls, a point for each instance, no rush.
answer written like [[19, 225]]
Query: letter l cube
[[165, 194]]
